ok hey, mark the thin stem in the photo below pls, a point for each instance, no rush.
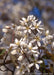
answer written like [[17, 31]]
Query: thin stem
[[5, 62]]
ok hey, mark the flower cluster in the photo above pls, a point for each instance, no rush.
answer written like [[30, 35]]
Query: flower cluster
[[28, 40]]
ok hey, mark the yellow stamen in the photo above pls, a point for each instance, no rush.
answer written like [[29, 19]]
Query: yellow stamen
[[26, 20], [36, 26], [30, 48], [18, 43], [27, 28], [37, 38], [46, 34], [25, 36]]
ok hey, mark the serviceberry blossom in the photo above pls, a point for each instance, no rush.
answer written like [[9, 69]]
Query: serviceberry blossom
[[27, 40]]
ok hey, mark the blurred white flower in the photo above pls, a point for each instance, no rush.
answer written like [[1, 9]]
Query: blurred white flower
[[20, 58], [13, 52], [38, 27], [47, 32], [52, 44], [5, 30], [36, 40], [37, 66]]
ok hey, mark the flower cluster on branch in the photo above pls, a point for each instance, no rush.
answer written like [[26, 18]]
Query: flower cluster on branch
[[26, 40]]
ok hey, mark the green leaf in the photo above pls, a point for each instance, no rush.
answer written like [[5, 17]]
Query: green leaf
[[2, 51]]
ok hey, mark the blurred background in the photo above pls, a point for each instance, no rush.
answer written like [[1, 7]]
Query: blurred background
[[12, 10]]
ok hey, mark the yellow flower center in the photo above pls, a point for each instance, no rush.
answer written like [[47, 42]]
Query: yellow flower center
[[30, 48], [25, 36], [27, 28], [46, 34], [37, 38], [18, 43], [18, 50], [26, 20], [36, 26]]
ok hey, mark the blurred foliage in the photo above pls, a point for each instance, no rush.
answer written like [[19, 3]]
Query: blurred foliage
[[2, 53]]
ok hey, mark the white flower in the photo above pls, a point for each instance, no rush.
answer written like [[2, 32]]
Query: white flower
[[38, 27], [20, 58], [24, 19], [27, 30], [7, 27], [5, 30], [49, 37], [47, 32], [37, 40], [31, 47], [20, 42]]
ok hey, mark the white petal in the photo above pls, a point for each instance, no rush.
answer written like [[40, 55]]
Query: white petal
[[5, 30], [32, 28], [18, 72], [39, 44], [33, 51], [16, 40], [37, 66], [49, 37], [47, 32], [40, 62], [25, 31], [30, 65], [20, 58], [24, 19], [13, 52], [41, 28], [39, 31], [12, 45], [52, 44], [39, 23], [30, 45], [36, 55], [36, 47], [19, 27], [32, 41], [22, 43], [29, 31], [8, 27], [22, 22]]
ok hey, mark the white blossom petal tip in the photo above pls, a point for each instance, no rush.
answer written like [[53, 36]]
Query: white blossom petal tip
[[37, 66], [13, 52], [20, 58]]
